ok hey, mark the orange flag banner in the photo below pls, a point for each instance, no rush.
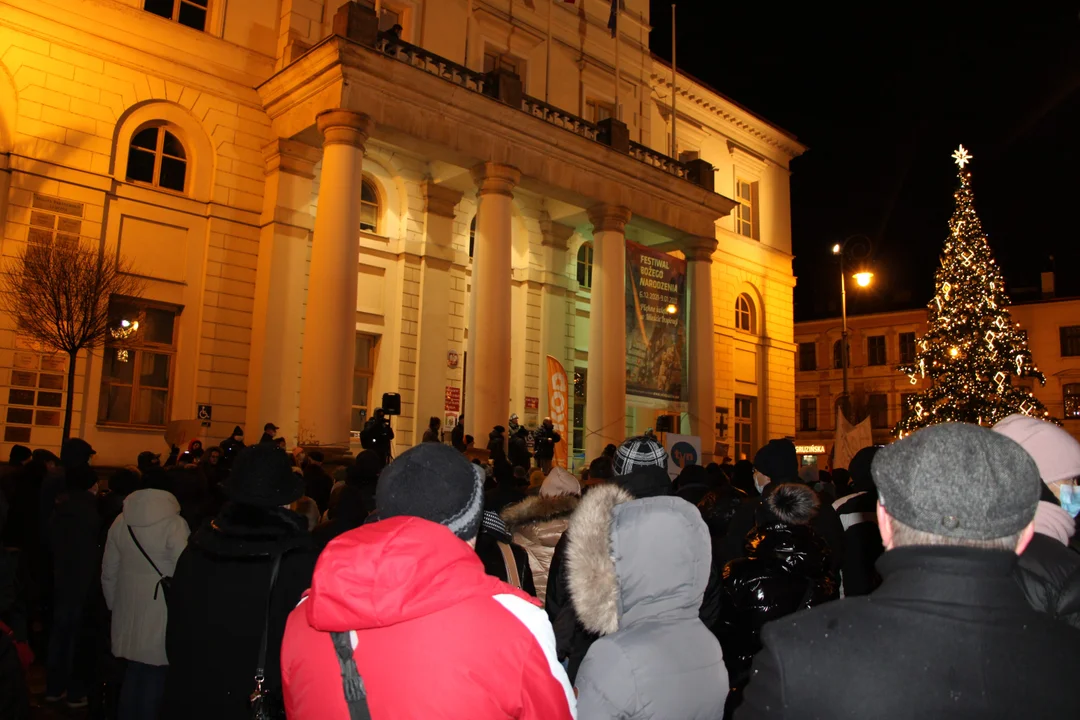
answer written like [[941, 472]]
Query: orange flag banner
[[558, 406]]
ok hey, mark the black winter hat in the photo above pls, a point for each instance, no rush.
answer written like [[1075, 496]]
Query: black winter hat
[[435, 482], [862, 478], [76, 451], [237, 431], [646, 481], [19, 454], [778, 461], [262, 476]]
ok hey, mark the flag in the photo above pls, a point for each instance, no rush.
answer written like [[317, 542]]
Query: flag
[[558, 406], [613, 18]]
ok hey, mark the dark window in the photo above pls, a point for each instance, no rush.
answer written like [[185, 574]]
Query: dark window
[[1070, 341], [472, 237], [369, 207], [875, 350], [585, 265], [907, 347], [191, 13], [744, 313], [157, 157], [808, 356], [808, 413], [837, 360], [877, 407], [744, 428], [1072, 400]]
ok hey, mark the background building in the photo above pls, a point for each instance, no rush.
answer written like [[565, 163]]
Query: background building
[[879, 342], [248, 156]]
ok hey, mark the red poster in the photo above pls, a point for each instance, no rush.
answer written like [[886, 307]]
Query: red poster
[[558, 402], [453, 400]]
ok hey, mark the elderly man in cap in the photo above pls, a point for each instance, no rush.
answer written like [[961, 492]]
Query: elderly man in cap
[[948, 633]]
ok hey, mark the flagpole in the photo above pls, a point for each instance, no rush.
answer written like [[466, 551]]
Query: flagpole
[[468, 29], [547, 75], [674, 71], [618, 110]]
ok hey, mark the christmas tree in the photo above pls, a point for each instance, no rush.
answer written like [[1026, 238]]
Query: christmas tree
[[972, 348]]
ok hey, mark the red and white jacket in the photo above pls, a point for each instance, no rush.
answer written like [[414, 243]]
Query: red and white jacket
[[434, 636]]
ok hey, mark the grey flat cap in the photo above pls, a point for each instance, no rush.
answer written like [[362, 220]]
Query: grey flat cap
[[958, 480]]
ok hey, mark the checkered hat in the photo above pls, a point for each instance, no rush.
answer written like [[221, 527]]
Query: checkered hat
[[636, 452]]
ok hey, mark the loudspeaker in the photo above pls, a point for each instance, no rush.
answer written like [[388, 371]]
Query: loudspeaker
[[391, 403], [665, 423]]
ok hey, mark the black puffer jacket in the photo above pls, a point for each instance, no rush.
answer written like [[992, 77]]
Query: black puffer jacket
[[1049, 574], [785, 568]]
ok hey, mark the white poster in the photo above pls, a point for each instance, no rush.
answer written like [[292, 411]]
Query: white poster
[[850, 439], [682, 450]]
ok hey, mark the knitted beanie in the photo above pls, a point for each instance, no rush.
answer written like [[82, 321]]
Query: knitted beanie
[[262, 476], [434, 482], [1054, 450]]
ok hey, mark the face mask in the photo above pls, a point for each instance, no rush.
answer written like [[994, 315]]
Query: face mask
[[1070, 499]]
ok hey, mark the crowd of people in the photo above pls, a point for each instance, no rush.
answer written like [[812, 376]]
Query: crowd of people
[[938, 576]]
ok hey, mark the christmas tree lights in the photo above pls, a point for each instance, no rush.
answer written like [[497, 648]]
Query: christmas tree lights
[[972, 349]]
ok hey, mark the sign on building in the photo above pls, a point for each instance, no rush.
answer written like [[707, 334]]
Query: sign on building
[[655, 324]]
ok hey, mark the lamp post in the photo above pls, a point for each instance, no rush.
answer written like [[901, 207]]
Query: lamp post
[[859, 250]]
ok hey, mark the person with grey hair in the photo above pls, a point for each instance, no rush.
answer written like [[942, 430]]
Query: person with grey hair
[[948, 633]]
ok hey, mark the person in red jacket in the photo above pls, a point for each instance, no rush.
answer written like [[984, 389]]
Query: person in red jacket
[[431, 635]]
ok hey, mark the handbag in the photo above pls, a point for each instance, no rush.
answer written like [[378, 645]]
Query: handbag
[[264, 704], [165, 581], [512, 577]]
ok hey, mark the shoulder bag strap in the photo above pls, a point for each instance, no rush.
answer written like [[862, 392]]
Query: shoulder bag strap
[[355, 694], [512, 576], [260, 671], [136, 541]]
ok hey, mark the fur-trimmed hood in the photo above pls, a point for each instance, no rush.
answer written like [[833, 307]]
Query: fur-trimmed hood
[[629, 560], [538, 509]]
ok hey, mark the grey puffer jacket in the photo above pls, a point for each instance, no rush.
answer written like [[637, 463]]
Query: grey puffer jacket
[[637, 571]]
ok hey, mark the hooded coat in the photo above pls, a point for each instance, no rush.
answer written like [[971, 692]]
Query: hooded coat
[[536, 524], [434, 637], [637, 571], [218, 608], [130, 584]]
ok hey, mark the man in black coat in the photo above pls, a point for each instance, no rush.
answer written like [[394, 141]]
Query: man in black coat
[[546, 440], [948, 633], [774, 464], [858, 515], [519, 454]]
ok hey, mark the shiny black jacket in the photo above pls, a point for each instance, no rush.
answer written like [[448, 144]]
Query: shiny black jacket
[[785, 568], [1049, 574]]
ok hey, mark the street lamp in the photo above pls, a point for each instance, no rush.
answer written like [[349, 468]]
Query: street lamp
[[859, 250]]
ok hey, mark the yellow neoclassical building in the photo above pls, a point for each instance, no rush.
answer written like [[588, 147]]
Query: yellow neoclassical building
[[334, 200]]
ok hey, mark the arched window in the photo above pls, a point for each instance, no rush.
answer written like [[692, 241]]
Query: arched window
[[838, 362], [157, 157], [744, 313], [472, 236], [584, 265], [369, 207]]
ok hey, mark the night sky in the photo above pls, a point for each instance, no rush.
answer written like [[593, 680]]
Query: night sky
[[882, 94]]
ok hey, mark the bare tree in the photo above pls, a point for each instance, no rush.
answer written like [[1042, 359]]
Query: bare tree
[[59, 295]]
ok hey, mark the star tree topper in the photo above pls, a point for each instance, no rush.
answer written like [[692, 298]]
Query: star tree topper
[[962, 157]]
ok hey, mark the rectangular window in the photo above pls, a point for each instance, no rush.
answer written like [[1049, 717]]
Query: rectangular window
[[1072, 400], [808, 356], [808, 413], [907, 347], [494, 60], [137, 370], [875, 350], [744, 427], [191, 13], [580, 379], [744, 216], [877, 408], [1070, 341], [367, 349], [597, 110]]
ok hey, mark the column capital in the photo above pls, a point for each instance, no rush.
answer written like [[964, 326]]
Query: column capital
[[607, 218], [699, 249], [495, 178], [440, 200], [291, 156], [555, 234], [344, 127]]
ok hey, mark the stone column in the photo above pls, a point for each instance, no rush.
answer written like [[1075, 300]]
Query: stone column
[[277, 325], [702, 361], [326, 377], [487, 382], [433, 331], [605, 403]]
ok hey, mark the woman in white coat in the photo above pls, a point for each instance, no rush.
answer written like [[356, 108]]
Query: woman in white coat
[[151, 519]]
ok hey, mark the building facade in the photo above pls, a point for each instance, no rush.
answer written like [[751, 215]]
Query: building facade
[[878, 343], [330, 201]]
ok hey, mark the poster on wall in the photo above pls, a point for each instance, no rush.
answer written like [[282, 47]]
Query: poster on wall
[[558, 406], [682, 450], [655, 324]]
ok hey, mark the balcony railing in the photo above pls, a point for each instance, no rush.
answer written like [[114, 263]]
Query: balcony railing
[[389, 44]]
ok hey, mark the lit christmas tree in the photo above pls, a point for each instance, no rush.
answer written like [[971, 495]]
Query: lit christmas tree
[[972, 348]]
